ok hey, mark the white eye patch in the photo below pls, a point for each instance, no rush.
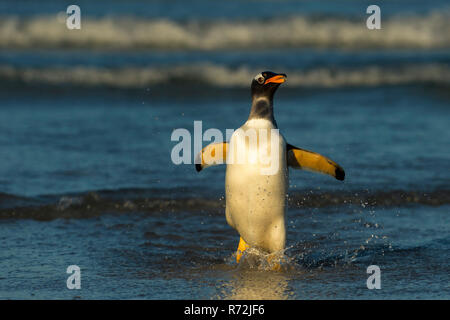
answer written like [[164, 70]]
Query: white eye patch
[[258, 76]]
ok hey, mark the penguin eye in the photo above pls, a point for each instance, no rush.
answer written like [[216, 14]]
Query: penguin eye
[[260, 80]]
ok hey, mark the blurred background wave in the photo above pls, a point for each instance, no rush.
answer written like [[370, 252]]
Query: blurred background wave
[[134, 44]]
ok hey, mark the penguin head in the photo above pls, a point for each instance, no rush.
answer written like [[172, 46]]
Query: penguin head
[[266, 83]]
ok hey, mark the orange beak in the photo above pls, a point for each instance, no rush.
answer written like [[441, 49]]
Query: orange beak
[[276, 79]]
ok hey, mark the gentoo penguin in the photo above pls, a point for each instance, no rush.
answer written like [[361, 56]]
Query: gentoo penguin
[[257, 158]]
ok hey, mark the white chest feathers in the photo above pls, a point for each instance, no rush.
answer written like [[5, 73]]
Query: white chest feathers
[[256, 184], [258, 145]]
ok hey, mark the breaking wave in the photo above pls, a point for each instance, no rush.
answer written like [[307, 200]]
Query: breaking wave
[[97, 203], [408, 31], [219, 76]]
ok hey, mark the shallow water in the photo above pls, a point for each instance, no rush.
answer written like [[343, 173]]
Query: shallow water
[[189, 255], [86, 176]]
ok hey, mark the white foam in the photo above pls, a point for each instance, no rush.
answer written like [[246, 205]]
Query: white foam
[[219, 76], [414, 31]]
